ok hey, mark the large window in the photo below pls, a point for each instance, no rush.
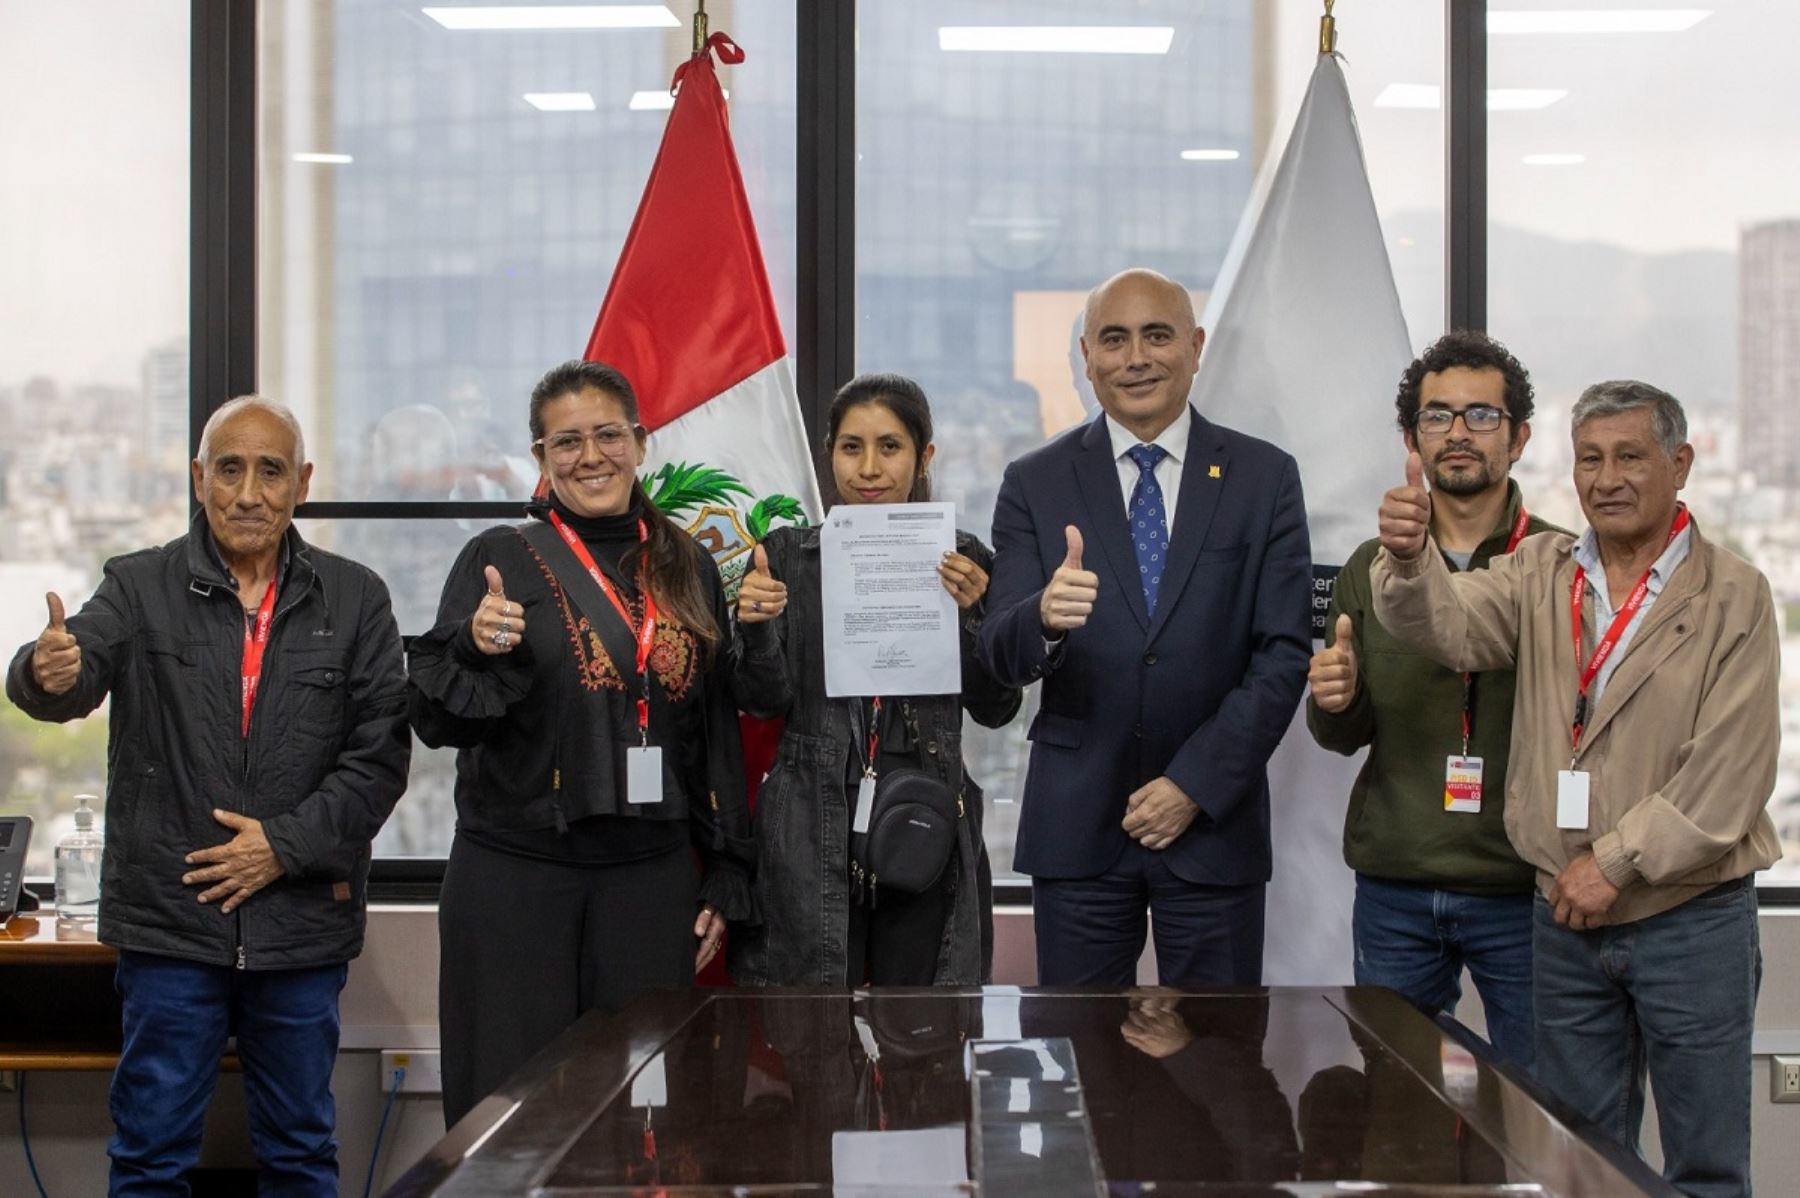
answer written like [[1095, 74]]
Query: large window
[[93, 359], [1004, 168], [441, 208], [1639, 230]]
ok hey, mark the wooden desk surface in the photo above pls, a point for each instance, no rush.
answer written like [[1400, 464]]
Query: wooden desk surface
[[58, 1009], [42, 939]]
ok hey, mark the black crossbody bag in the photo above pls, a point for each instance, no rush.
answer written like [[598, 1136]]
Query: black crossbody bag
[[912, 832]]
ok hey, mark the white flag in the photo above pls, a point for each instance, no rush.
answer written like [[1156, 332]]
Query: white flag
[[1305, 347]]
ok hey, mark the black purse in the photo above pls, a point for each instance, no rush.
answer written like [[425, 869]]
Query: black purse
[[912, 831]]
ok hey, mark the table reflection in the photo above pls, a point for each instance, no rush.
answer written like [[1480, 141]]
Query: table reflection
[[1173, 1088], [1001, 1091]]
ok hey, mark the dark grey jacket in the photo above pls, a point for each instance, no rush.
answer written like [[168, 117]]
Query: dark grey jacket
[[802, 820], [325, 760]]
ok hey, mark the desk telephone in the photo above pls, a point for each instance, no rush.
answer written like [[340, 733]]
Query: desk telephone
[[15, 837]]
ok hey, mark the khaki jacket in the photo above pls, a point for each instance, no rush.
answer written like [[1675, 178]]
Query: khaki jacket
[[1681, 749]]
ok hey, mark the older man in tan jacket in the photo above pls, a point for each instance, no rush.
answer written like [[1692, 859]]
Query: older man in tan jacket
[[1645, 733]]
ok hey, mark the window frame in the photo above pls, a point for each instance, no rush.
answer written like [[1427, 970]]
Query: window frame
[[224, 212]]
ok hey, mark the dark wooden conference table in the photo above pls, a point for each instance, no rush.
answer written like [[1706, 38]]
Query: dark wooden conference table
[[1039, 1092]]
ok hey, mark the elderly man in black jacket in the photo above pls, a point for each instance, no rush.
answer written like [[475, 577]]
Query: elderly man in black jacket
[[258, 741]]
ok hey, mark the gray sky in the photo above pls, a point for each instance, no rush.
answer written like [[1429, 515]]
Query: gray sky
[[1687, 136], [94, 191]]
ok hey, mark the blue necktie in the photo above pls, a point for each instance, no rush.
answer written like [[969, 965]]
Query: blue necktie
[[1149, 526]]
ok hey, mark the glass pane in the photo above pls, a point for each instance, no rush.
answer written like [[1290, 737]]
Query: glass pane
[[424, 820], [432, 239], [93, 363], [413, 557], [994, 189], [1692, 290]]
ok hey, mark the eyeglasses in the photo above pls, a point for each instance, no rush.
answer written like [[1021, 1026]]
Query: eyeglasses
[[1477, 418], [563, 448]]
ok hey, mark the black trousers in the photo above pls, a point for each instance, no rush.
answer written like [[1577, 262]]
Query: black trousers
[[896, 942], [526, 947], [1090, 931]]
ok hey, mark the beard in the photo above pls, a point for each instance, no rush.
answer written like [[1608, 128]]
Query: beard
[[1470, 479]]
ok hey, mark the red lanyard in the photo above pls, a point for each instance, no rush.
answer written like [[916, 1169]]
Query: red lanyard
[[1610, 641], [1468, 704], [254, 644], [874, 735], [646, 632]]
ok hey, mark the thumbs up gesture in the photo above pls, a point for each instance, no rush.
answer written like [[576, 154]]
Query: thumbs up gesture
[[1069, 599], [1406, 513], [1332, 674], [498, 624], [761, 596], [56, 658]]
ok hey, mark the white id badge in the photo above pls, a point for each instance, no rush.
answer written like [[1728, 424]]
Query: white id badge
[[1462, 784], [865, 804], [643, 774], [1572, 799], [651, 1085]]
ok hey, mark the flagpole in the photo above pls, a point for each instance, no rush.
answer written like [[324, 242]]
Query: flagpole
[[1327, 30], [700, 27]]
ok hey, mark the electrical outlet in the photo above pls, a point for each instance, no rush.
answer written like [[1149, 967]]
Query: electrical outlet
[[424, 1070], [1784, 1079]]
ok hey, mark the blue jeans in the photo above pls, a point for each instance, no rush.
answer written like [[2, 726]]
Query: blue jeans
[[1677, 993], [1415, 940], [177, 1015]]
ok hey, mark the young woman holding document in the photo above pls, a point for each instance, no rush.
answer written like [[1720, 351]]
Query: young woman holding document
[[870, 856]]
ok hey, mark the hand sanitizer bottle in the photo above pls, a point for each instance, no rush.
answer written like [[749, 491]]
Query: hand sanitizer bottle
[[78, 866]]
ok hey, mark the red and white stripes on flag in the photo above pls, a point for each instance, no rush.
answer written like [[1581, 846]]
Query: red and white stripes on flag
[[690, 320]]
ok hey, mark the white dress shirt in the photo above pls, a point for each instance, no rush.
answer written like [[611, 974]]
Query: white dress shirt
[[1174, 439], [1587, 556]]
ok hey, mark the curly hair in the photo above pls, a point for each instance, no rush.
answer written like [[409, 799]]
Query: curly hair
[[1472, 350]]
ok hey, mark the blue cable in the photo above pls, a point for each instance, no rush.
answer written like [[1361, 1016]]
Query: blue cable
[[25, 1137], [374, 1153]]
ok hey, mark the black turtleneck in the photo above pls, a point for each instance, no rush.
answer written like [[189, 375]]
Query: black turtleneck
[[608, 538]]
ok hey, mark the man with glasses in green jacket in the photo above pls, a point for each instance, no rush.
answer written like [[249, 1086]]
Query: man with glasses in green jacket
[[1438, 886]]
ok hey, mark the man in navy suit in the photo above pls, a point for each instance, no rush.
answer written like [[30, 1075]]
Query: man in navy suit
[[1153, 569]]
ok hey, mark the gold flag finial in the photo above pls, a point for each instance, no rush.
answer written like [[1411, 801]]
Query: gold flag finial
[[700, 27], [1328, 30]]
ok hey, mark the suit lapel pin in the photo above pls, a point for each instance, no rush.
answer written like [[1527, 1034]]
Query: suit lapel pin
[[1212, 472]]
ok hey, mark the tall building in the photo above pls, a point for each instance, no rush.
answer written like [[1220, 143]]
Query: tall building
[[165, 409], [1769, 351]]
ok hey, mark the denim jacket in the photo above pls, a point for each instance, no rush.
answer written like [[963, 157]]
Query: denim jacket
[[802, 820]]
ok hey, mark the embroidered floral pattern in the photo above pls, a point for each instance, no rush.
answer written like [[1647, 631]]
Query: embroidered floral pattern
[[674, 654], [674, 659]]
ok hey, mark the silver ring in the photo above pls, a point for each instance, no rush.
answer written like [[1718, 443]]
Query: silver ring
[[756, 605], [505, 624], [500, 638]]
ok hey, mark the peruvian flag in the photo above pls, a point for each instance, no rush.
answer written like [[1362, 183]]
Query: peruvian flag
[[690, 321]]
